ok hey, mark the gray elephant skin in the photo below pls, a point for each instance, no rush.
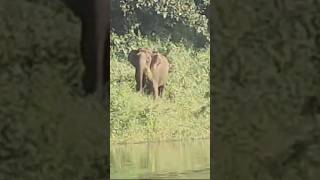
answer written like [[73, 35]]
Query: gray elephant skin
[[94, 16], [152, 70]]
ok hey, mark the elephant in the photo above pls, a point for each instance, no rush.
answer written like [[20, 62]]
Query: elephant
[[152, 69], [94, 16], [95, 39], [159, 68], [141, 60]]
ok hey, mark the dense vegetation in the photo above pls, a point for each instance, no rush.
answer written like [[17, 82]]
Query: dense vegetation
[[183, 37], [45, 126], [48, 131], [266, 113], [267, 71]]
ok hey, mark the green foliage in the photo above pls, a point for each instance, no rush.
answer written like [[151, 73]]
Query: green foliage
[[46, 128], [168, 27], [165, 18], [182, 113], [267, 68]]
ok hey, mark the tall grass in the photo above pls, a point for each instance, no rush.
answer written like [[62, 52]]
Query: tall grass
[[183, 113]]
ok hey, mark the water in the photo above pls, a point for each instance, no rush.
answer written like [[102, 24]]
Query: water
[[164, 160]]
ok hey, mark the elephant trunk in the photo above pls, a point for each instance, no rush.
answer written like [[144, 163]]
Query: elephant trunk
[[148, 73], [140, 72]]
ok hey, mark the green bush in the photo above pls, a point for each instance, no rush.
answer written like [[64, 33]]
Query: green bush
[[43, 116], [176, 20], [46, 128], [182, 113], [178, 30]]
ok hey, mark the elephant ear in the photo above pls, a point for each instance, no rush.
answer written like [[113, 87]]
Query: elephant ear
[[156, 60], [132, 57]]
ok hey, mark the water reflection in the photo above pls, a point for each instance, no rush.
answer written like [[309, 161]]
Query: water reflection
[[171, 160]]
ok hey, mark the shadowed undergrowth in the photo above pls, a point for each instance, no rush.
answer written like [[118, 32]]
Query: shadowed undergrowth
[[46, 128]]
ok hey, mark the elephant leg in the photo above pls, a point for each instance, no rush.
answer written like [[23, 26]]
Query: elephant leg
[[94, 37], [93, 48], [147, 84], [155, 89], [161, 91], [140, 81], [88, 78], [144, 81], [102, 39], [137, 81]]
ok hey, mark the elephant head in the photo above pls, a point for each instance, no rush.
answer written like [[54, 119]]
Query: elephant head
[[141, 60]]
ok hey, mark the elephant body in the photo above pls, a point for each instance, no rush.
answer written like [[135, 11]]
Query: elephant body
[[94, 16], [152, 70], [160, 70]]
